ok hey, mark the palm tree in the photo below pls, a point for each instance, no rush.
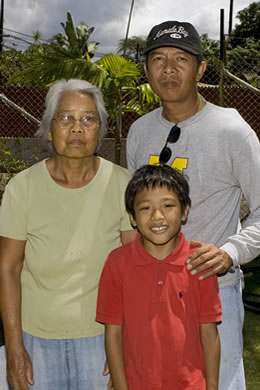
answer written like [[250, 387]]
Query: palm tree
[[75, 39], [122, 93], [134, 48], [37, 35]]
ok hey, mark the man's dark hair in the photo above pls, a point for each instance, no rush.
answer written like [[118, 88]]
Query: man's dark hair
[[154, 176]]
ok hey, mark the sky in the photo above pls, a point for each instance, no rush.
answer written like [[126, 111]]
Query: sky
[[110, 18]]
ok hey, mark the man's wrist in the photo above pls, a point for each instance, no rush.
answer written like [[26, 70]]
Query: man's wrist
[[231, 267]]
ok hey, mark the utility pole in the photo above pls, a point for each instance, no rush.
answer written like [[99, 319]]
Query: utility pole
[[230, 18], [128, 26], [2, 26], [221, 59]]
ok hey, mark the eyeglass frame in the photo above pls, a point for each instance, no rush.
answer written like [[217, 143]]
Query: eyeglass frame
[[72, 121], [173, 136]]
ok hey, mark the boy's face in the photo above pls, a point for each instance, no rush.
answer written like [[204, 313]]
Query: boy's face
[[158, 218]]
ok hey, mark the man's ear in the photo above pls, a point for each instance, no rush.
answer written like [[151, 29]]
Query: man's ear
[[145, 70], [201, 70], [184, 216], [132, 221], [49, 136]]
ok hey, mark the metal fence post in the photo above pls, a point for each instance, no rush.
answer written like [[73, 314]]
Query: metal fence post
[[221, 59]]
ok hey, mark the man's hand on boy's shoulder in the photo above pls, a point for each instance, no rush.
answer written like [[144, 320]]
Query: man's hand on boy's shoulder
[[208, 257]]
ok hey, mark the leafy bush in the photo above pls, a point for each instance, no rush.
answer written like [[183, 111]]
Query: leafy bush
[[9, 166]]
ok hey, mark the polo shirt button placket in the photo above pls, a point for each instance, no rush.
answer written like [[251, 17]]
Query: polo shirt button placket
[[159, 282]]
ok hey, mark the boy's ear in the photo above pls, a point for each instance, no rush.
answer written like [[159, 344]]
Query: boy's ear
[[132, 220], [184, 216]]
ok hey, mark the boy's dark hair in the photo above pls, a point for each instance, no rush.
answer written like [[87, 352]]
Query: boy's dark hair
[[153, 176]]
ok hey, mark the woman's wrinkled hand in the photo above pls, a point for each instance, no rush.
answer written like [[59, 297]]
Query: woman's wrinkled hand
[[19, 369]]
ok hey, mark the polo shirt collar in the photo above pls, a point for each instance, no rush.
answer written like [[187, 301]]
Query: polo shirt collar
[[178, 256]]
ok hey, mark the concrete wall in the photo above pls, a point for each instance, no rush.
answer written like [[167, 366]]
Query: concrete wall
[[36, 149]]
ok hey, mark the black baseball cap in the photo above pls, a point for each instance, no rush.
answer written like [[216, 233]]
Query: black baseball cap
[[176, 34]]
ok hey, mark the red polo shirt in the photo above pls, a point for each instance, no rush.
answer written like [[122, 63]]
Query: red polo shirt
[[160, 306]]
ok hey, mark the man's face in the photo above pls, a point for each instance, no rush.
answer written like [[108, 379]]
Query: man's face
[[173, 73]]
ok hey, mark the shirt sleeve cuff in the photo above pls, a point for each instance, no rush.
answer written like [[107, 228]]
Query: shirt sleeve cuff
[[231, 250]]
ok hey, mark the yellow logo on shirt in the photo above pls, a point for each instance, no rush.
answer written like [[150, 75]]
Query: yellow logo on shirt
[[178, 163]]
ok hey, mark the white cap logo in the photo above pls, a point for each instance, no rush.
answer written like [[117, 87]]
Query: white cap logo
[[176, 36], [174, 31]]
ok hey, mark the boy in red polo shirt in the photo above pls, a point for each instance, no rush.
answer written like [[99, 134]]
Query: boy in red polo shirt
[[160, 322]]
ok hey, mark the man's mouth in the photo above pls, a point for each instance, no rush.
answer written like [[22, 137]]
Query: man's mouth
[[169, 83]]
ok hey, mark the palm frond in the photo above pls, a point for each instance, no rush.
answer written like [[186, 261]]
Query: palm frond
[[147, 95], [122, 71], [46, 69]]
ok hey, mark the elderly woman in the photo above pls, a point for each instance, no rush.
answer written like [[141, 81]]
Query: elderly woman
[[59, 219]]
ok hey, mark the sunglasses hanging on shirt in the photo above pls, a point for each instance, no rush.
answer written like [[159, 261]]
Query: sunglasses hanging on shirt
[[173, 137]]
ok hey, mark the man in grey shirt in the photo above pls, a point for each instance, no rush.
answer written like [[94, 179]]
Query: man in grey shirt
[[220, 154]]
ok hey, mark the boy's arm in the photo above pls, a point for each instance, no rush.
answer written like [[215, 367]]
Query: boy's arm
[[211, 349], [114, 351]]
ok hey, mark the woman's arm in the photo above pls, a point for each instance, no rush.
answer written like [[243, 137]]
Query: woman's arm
[[114, 351], [211, 348], [19, 366]]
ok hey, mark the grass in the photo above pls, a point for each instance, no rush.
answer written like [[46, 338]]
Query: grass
[[252, 329], [252, 350]]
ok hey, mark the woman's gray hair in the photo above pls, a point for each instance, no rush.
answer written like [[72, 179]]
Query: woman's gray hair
[[54, 95]]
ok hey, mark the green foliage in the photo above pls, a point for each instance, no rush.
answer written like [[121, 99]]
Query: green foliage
[[244, 61], [121, 91], [210, 52], [243, 46], [74, 39], [143, 101], [68, 55], [252, 327], [47, 67], [249, 26], [134, 48], [121, 88], [11, 61], [9, 165], [243, 49], [37, 36], [252, 350]]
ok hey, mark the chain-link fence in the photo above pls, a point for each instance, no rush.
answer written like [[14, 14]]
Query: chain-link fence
[[21, 107], [15, 124]]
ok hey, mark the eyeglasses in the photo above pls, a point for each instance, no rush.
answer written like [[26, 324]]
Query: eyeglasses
[[173, 137], [66, 121]]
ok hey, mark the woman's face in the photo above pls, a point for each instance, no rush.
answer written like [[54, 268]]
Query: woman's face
[[75, 126]]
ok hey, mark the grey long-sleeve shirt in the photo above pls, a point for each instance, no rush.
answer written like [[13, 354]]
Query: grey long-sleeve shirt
[[220, 155]]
